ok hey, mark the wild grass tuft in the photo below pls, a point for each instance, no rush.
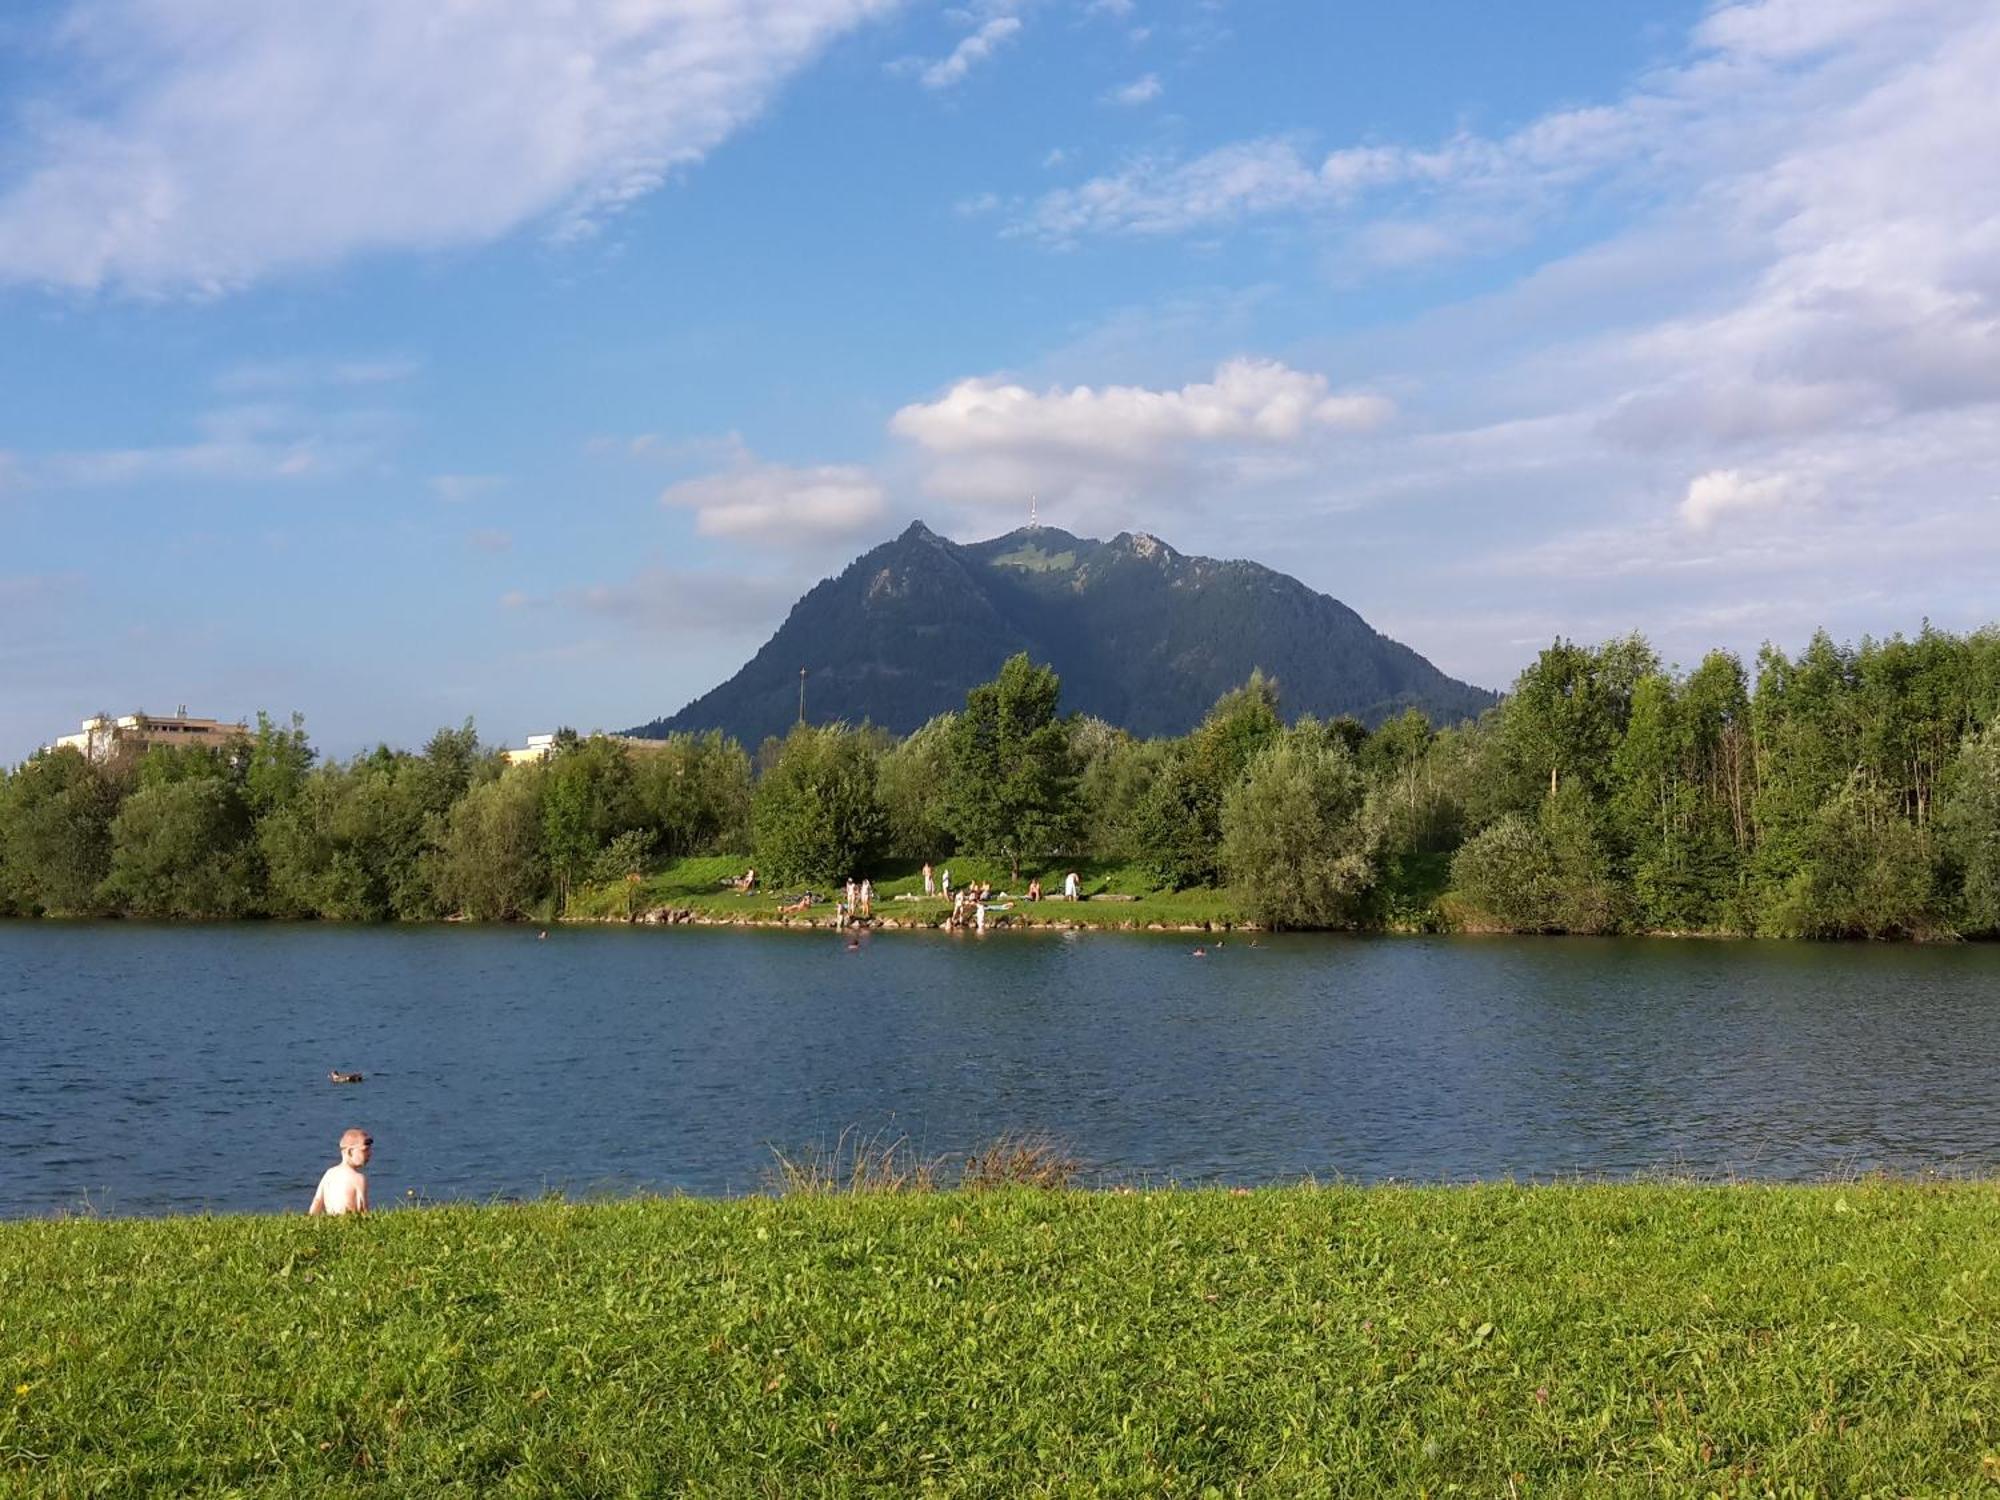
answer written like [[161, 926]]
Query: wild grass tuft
[[857, 1161], [1030, 1160]]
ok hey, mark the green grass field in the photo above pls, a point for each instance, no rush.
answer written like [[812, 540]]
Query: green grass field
[[1124, 896], [1498, 1341]]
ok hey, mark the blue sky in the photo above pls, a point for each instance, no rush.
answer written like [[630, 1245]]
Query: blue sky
[[526, 359]]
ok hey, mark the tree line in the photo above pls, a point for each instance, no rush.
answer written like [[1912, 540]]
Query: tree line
[[1847, 791]]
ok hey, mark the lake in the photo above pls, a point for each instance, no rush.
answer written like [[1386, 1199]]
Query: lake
[[181, 1069]]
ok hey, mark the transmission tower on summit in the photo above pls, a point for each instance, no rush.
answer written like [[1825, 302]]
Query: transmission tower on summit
[[1034, 513]]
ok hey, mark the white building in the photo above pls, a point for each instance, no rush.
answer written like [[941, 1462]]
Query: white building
[[104, 739]]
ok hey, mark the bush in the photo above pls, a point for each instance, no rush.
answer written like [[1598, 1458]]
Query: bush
[[1294, 843], [814, 811]]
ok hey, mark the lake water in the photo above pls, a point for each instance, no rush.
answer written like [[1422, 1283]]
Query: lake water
[[178, 1069]]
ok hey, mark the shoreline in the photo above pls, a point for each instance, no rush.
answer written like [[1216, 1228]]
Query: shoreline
[[689, 916]]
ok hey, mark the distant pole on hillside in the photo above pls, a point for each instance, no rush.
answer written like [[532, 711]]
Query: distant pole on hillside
[[1034, 513], [802, 695]]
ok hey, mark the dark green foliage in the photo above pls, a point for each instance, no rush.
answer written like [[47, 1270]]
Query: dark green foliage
[[1116, 772], [814, 812], [274, 771], [587, 799], [1970, 819], [1295, 846], [1864, 871], [1009, 778], [1548, 873], [1179, 825], [55, 834], [1854, 791], [1568, 711], [491, 864], [183, 846], [911, 788], [693, 795]]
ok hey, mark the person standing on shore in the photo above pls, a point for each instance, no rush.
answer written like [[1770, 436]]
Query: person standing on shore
[[1072, 887], [930, 882], [867, 897], [944, 882], [343, 1187]]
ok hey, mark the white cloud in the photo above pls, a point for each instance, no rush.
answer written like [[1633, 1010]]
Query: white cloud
[[1721, 491], [209, 143], [987, 439], [773, 505], [1142, 90], [248, 443], [950, 70]]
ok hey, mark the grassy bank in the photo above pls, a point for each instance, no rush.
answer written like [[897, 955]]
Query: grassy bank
[[1117, 896], [1508, 1341]]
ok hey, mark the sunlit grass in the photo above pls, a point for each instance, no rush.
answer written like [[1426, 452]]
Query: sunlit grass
[[1117, 895], [1632, 1339]]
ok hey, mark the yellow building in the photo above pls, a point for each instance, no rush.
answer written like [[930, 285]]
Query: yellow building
[[104, 739], [541, 746]]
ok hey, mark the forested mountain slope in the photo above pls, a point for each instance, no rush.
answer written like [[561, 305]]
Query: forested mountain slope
[[1142, 636]]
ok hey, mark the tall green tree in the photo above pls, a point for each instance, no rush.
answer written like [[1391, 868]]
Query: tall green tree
[[693, 795], [56, 813], [814, 811], [1010, 780], [1970, 820], [277, 763], [1568, 710], [1295, 845], [1179, 824], [587, 800], [913, 790], [1115, 774], [490, 864], [183, 846]]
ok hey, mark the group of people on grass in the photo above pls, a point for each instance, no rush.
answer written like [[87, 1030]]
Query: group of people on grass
[[968, 902]]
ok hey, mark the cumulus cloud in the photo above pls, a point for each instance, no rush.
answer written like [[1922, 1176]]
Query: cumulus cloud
[[774, 505], [1769, 388], [988, 439], [209, 143]]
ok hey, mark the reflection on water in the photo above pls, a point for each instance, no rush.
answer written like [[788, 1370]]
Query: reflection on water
[[156, 1069]]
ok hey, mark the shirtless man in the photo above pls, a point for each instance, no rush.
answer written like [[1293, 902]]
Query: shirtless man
[[343, 1188]]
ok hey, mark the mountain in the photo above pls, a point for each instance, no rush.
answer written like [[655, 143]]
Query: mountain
[[1141, 636]]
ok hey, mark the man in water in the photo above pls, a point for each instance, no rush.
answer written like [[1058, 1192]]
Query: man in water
[[343, 1187]]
